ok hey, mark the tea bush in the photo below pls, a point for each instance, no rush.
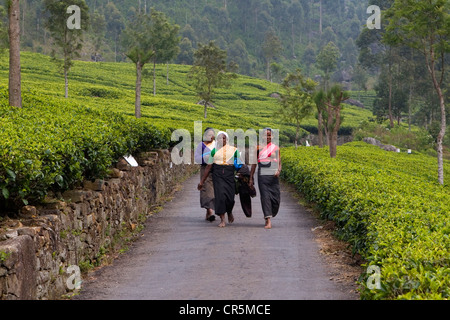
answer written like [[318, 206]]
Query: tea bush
[[51, 144], [389, 207]]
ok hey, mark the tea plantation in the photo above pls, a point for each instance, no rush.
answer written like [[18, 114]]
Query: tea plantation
[[389, 207]]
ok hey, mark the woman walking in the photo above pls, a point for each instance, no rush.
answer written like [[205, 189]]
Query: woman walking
[[269, 169], [222, 164], [202, 154]]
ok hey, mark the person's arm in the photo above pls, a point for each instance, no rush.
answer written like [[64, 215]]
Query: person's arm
[[205, 175], [198, 155], [253, 168], [252, 173], [277, 174]]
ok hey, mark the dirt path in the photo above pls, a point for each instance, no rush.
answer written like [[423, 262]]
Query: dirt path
[[180, 256]]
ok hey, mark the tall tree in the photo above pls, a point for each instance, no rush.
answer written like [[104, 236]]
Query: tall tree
[[327, 60], [409, 24], [186, 55], [309, 57], [139, 49], [164, 40], [98, 24], [209, 72], [15, 86], [114, 25], [66, 25], [271, 49], [333, 99], [296, 100]]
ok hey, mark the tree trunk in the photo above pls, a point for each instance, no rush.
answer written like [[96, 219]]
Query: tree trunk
[[115, 47], [154, 76], [391, 120], [333, 135], [293, 38], [137, 105], [440, 137], [333, 144], [167, 74], [206, 109], [410, 106], [15, 89], [66, 83], [297, 134], [320, 127], [320, 18]]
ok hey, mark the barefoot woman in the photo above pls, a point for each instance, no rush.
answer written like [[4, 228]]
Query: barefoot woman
[[269, 169], [221, 163]]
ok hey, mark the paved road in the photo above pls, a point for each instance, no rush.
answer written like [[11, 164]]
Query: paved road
[[180, 256]]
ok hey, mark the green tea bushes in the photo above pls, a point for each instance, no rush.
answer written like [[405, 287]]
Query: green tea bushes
[[389, 207], [51, 144]]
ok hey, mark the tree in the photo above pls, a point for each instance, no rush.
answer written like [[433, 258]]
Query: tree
[[409, 24], [271, 49], [391, 96], [139, 49], [238, 53], [98, 24], [15, 90], [67, 38], [327, 61], [321, 111], [209, 72], [164, 40], [114, 25], [296, 101], [186, 55], [333, 99], [309, 57], [360, 78]]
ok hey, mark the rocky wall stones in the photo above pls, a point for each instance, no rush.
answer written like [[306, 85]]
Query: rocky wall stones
[[78, 227]]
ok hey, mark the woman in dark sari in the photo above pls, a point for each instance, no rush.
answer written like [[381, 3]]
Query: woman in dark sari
[[269, 169], [221, 164], [202, 154]]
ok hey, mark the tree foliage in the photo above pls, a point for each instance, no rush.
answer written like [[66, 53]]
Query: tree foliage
[[209, 72], [409, 24], [67, 42], [296, 100]]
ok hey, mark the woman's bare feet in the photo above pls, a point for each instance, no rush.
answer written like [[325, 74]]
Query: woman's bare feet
[[268, 224], [222, 221], [230, 218]]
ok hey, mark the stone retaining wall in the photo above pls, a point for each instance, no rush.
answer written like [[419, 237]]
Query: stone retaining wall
[[76, 229]]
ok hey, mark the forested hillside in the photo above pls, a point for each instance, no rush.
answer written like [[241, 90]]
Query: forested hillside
[[239, 26]]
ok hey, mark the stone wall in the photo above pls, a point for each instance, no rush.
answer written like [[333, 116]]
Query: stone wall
[[79, 226]]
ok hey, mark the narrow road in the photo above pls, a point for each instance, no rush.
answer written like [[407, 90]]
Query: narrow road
[[180, 256]]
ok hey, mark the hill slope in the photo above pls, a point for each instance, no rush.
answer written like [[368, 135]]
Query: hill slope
[[110, 86]]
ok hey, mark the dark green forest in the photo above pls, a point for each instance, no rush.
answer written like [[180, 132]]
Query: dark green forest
[[240, 27]]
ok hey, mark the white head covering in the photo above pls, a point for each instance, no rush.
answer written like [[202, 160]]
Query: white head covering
[[224, 133]]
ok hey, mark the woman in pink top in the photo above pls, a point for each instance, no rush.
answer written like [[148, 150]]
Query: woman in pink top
[[269, 169]]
